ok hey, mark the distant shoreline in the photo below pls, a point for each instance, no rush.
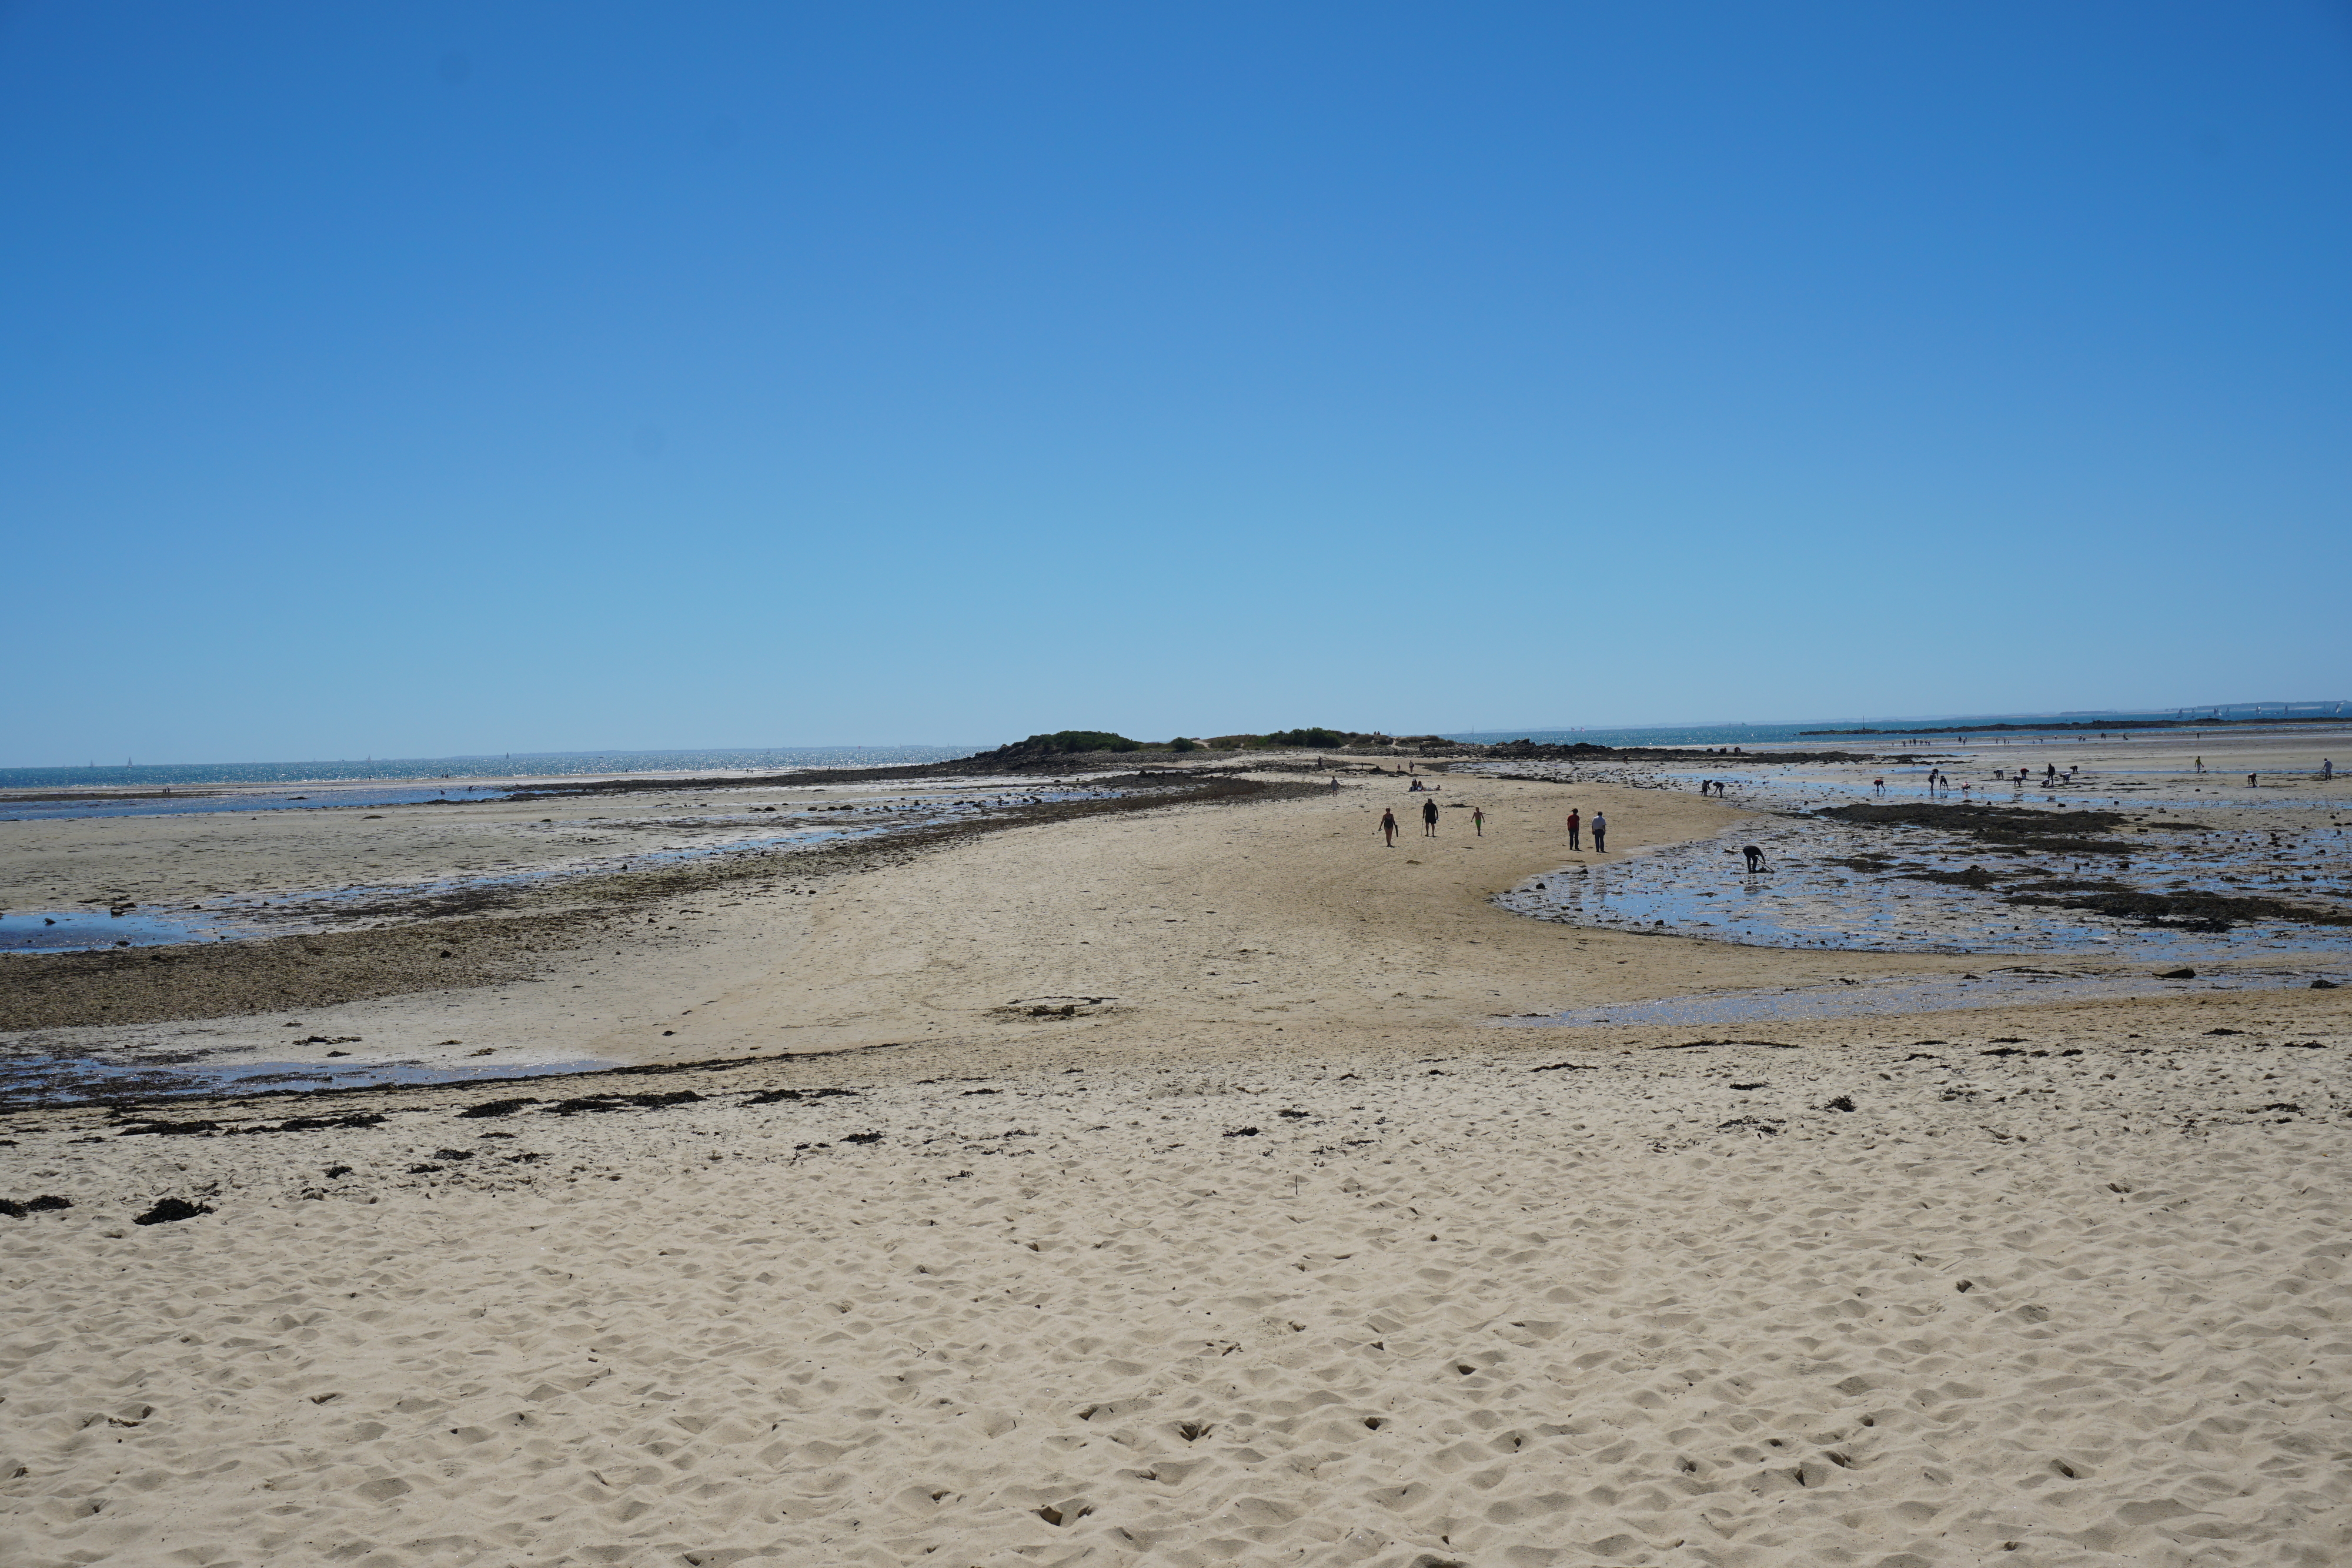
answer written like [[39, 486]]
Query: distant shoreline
[[2093, 726]]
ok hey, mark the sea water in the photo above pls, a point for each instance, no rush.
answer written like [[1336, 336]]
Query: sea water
[[507, 764]]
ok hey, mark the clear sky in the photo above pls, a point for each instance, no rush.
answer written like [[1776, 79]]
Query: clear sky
[[412, 378]]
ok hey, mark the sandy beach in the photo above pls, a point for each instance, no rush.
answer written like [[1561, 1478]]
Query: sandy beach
[[1180, 1177]]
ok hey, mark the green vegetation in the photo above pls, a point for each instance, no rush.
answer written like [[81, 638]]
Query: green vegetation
[[1078, 740], [1330, 739], [1064, 741]]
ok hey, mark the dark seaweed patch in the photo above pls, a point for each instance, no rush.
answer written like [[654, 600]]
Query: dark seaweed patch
[[170, 1211], [292, 1124], [592, 1102], [2056, 833], [47, 1201], [2190, 909], [496, 1108], [1976, 876]]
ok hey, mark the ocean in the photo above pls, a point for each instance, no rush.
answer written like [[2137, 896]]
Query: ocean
[[1814, 730], [514, 765]]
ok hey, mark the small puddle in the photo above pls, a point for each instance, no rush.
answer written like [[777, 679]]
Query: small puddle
[[85, 931]]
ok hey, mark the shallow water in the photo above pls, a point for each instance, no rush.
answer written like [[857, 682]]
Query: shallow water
[[1802, 786], [238, 916], [87, 930], [1807, 901], [2011, 987], [506, 766], [238, 802], [811, 828], [53, 1080]]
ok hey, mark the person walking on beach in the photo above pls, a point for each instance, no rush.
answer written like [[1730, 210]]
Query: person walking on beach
[[1335, 783], [1575, 826], [2251, 780], [1429, 818], [1478, 820], [2200, 765], [1599, 834], [1388, 826], [2327, 769]]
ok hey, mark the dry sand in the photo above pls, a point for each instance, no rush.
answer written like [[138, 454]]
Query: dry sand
[[1487, 1295]]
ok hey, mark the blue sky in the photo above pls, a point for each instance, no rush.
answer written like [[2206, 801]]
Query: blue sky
[[419, 379]]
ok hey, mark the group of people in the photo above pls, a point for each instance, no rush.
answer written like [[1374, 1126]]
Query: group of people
[[1711, 787], [1388, 826]]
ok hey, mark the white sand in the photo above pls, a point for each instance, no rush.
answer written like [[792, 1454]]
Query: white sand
[[1591, 1327]]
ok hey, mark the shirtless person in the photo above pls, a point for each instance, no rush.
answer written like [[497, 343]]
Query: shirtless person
[[1429, 818]]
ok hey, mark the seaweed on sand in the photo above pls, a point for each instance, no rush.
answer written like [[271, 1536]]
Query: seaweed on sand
[[2004, 827], [1976, 876], [2191, 909]]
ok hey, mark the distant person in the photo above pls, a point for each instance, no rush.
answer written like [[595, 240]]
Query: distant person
[[1478, 820], [1599, 834], [1335, 783], [1413, 788], [1389, 827], [2253, 780], [1756, 860], [2200, 765], [1575, 828], [1429, 818], [1878, 786], [2327, 769]]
